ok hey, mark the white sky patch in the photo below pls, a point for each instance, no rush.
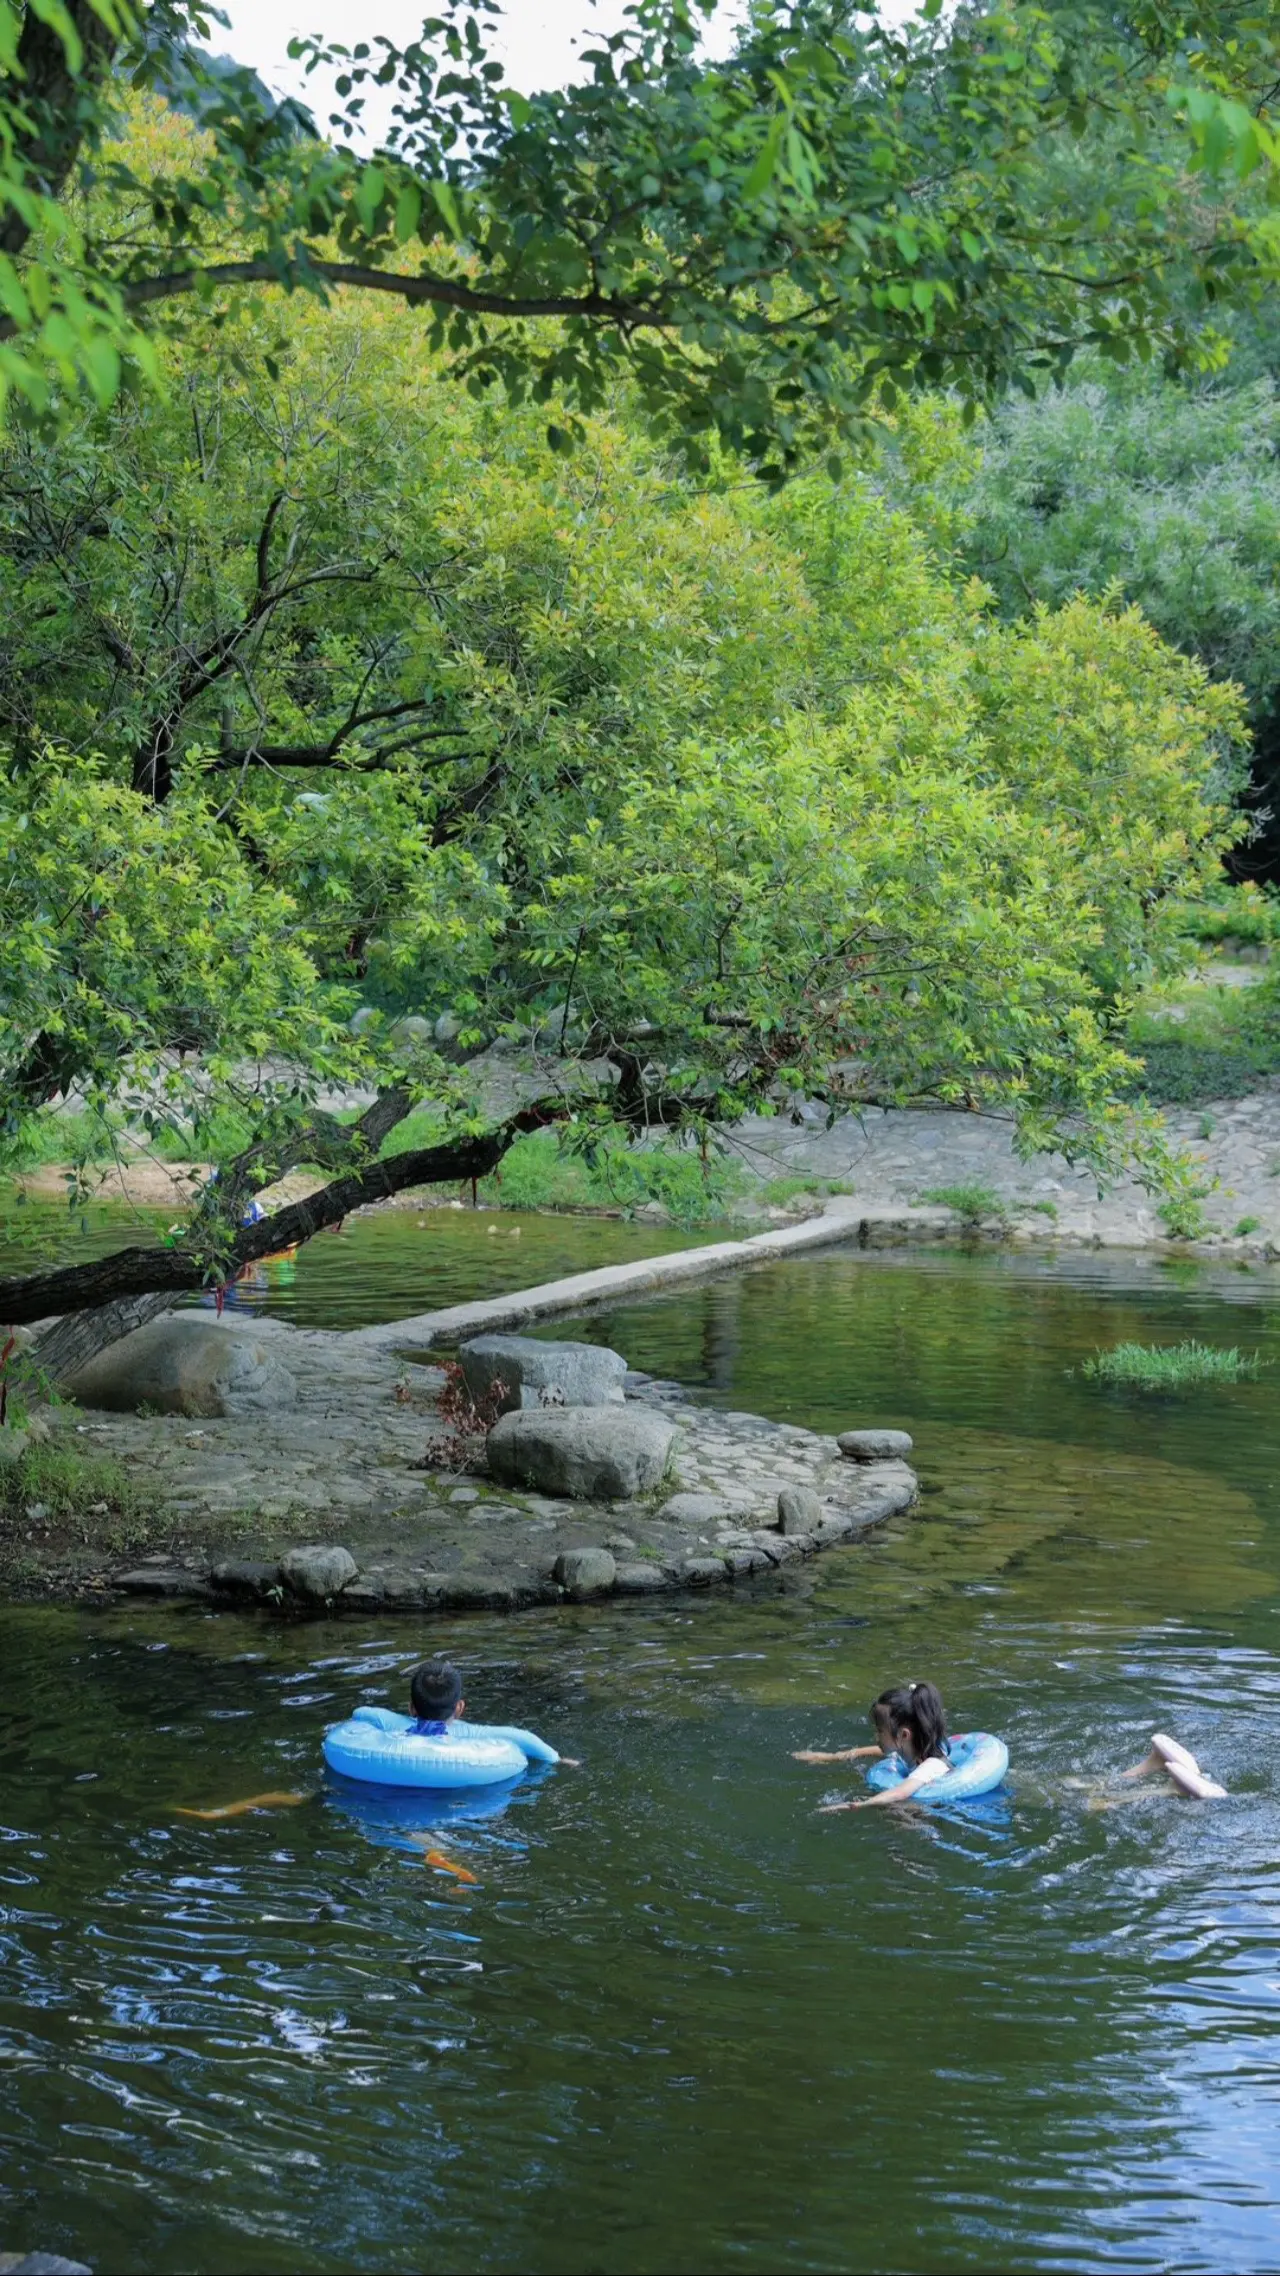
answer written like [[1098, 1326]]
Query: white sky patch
[[537, 41]]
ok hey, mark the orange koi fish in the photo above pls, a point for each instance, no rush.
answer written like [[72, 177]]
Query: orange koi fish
[[445, 1864], [254, 1802]]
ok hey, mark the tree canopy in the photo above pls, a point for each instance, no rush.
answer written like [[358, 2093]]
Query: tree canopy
[[334, 692], [765, 244]]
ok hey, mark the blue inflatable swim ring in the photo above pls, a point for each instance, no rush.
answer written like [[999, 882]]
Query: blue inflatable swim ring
[[978, 1763], [386, 1749]]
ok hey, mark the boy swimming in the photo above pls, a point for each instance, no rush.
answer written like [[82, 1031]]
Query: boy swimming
[[435, 1696]]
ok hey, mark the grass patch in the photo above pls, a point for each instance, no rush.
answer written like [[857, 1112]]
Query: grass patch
[[79, 1499], [1223, 1043], [779, 1191], [1170, 1367], [1046, 1209], [541, 1173], [973, 1202]]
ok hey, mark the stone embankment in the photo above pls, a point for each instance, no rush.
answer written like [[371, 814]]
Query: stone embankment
[[893, 1159]]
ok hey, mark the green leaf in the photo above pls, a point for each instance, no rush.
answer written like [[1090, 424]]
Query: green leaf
[[408, 212], [765, 165], [447, 204]]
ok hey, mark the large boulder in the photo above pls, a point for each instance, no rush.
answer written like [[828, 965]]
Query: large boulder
[[184, 1363], [602, 1453], [537, 1374], [317, 1571]]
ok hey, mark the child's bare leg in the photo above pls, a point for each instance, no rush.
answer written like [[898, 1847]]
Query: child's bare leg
[[1162, 1754], [1180, 1765], [1190, 1779], [1151, 1762]]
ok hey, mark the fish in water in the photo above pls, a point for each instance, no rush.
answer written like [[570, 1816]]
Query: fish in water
[[445, 1864], [254, 1802]]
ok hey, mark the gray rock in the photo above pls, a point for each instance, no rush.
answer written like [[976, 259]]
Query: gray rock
[[592, 1453], [642, 1580], [447, 1027], [695, 1509], [185, 1363], [742, 1562], [244, 1576], [13, 1443], [799, 1510], [154, 1581], [466, 1592], [412, 1029], [585, 1572], [542, 1374], [316, 1572], [702, 1572], [875, 1445]]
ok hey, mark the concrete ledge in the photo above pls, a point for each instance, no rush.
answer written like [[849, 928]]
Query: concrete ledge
[[843, 1220]]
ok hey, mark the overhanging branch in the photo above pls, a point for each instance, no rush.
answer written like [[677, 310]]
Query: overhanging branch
[[144, 1272]]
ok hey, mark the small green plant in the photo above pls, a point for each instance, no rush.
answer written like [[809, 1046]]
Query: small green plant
[[1169, 1367], [88, 1496], [1206, 1126], [1183, 1217], [1046, 1209], [972, 1202], [779, 1191], [1246, 1225]]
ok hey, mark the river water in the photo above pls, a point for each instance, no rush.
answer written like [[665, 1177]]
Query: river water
[[680, 2021]]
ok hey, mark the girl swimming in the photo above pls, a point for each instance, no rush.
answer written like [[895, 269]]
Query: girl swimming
[[916, 1722]]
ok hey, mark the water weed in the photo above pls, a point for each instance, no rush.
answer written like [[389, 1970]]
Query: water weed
[[1170, 1367]]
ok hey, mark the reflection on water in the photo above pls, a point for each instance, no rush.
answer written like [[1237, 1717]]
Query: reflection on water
[[680, 2021]]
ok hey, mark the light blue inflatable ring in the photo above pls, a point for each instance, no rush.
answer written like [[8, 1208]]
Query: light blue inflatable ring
[[384, 1749], [978, 1763]]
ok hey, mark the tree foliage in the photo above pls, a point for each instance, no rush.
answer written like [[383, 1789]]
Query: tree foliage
[[352, 690], [703, 796], [764, 244]]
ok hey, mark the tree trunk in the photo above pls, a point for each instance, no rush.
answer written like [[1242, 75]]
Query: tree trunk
[[110, 1287], [72, 1342]]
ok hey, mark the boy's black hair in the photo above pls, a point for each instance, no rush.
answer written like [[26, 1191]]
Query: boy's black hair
[[434, 1690]]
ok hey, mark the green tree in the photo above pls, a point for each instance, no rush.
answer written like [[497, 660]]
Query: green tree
[[749, 258], [700, 796]]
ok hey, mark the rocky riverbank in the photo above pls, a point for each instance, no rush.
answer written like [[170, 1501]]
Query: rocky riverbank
[[327, 1470]]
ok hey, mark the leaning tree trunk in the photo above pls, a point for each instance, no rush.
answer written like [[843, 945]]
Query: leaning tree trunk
[[70, 1343]]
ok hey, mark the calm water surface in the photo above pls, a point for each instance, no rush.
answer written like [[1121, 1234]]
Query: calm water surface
[[681, 2022], [383, 1266]]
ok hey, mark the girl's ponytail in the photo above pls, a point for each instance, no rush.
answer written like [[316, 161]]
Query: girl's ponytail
[[919, 1707]]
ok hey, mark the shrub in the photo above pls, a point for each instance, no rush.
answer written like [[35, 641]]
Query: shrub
[[973, 1202], [1183, 1217], [1169, 1367], [1246, 1225]]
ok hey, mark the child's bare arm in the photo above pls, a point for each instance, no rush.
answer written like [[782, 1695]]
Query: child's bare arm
[[842, 1754]]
